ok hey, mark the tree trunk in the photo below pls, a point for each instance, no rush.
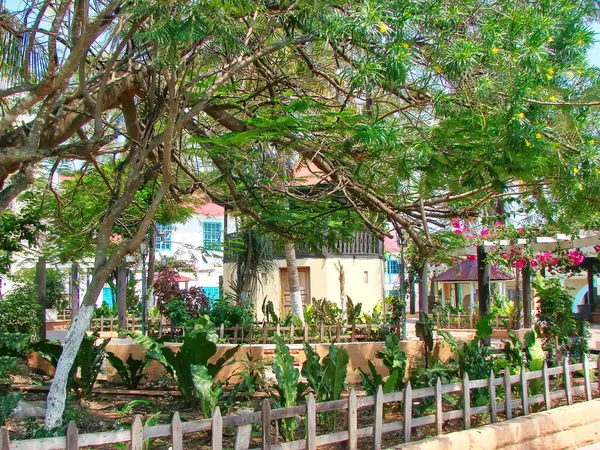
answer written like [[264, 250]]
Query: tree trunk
[[40, 278], [151, 268], [342, 289], [122, 300], [294, 281], [74, 291]]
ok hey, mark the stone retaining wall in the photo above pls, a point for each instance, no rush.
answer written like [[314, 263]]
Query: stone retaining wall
[[567, 427]]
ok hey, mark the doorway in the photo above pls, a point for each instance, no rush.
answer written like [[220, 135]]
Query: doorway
[[304, 276]]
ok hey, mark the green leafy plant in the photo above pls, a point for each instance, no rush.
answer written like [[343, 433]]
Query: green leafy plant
[[19, 313], [561, 333], [26, 285], [394, 360], [131, 371], [287, 391], [89, 363], [186, 366], [8, 402], [424, 330]]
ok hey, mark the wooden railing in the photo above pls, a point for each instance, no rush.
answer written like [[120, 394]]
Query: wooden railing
[[563, 389], [467, 321]]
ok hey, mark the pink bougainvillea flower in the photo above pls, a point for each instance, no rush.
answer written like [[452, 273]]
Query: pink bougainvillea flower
[[456, 223], [575, 257], [520, 263], [485, 232], [521, 230], [597, 248], [457, 231], [499, 223], [533, 263], [240, 304], [505, 256], [472, 257]]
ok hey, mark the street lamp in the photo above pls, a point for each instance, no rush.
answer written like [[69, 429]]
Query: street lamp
[[144, 252]]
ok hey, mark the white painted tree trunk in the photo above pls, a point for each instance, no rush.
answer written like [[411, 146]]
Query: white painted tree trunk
[[342, 289], [294, 281], [58, 388]]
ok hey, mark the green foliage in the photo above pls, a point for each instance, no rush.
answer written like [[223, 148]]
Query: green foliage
[[394, 360], [561, 333], [12, 350], [49, 350], [131, 371], [56, 295], [208, 391], [16, 227], [8, 402], [229, 312], [326, 379], [106, 310], [322, 311], [89, 363], [352, 311], [19, 312], [472, 357], [424, 330], [287, 391], [186, 365]]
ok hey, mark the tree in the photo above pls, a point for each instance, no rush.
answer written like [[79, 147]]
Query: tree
[[294, 281], [411, 113]]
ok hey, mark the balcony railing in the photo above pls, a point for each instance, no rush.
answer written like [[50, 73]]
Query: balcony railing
[[363, 244]]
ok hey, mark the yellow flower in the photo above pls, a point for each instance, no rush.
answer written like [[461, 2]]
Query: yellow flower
[[383, 28], [575, 170], [521, 115], [405, 44], [570, 74], [527, 143], [550, 39], [579, 72], [438, 69], [592, 142], [494, 50], [538, 135], [597, 171], [552, 98], [580, 186]]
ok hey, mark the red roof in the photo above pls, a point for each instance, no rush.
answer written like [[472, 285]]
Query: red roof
[[467, 271], [391, 244], [306, 173], [209, 209]]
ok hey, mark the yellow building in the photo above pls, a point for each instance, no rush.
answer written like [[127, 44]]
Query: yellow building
[[362, 262]]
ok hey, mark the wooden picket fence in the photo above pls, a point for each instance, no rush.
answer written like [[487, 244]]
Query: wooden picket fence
[[467, 321], [565, 389]]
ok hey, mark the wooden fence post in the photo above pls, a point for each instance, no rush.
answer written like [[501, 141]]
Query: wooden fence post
[[439, 412], [546, 382], [338, 333], [217, 430], [265, 333], [311, 423], [524, 393], [266, 425], [352, 421], [466, 401], [598, 372], [586, 377], [4, 439], [378, 425], [137, 434], [72, 436], [493, 405], [292, 332], [222, 331], [567, 376], [235, 334], [176, 432], [407, 412], [507, 394]]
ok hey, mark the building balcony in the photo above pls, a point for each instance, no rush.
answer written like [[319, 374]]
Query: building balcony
[[363, 244]]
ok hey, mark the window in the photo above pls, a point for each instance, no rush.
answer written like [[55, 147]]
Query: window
[[212, 234], [393, 266], [163, 237], [211, 292], [108, 296]]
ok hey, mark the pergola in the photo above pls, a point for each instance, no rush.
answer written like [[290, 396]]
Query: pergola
[[584, 242], [465, 272]]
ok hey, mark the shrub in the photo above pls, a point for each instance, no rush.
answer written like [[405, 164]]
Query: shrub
[[56, 295], [228, 312], [19, 313], [561, 333]]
